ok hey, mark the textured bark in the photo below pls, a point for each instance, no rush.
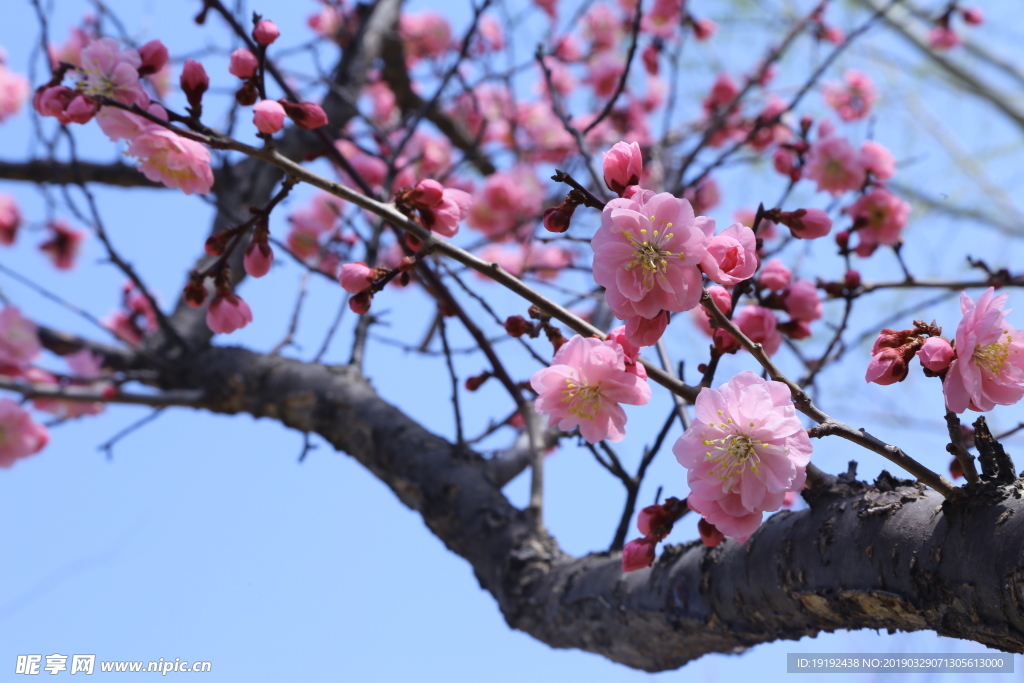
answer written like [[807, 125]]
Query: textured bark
[[890, 555]]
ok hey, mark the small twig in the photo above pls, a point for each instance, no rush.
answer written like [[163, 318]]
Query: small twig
[[294, 324], [108, 446], [454, 380]]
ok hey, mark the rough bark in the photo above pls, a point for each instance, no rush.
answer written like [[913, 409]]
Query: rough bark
[[890, 555]]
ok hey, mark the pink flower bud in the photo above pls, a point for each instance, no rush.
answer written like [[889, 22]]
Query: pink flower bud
[[623, 165], [305, 114], [956, 470], [10, 219], [802, 302], [154, 57], [796, 329], [265, 32], [704, 29], [194, 82], [834, 35], [360, 303], [887, 367], [650, 58], [356, 277], [227, 313], [806, 224], [637, 554], [268, 116], [775, 275], [943, 38], [782, 161], [427, 193], [646, 331], [709, 533], [81, 109], [650, 518], [973, 15], [258, 258], [936, 354], [722, 298], [243, 63], [555, 219], [517, 326]]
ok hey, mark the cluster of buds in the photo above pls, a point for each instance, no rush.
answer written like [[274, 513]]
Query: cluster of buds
[[517, 326], [440, 208], [894, 349], [655, 523], [360, 280]]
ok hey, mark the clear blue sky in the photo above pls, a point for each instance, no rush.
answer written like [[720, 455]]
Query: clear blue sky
[[203, 539]]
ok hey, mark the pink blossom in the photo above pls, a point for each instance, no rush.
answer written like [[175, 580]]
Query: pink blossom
[[881, 216], [505, 201], [10, 219], [663, 18], [760, 326], [604, 73], [194, 82], [783, 161], [20, 436], [731, 254], [973, 15], [583, 387], [853, 99], [118, 124], [444, 218], [936, 354], [112, 72], [19, 339], [723, 92], [623, 166], [650, 518], [602, 26], [989, 367], [243, 63], [642, 331], [122, 325], [775, 275], [268, 116], [887, 366], [877, 160], [638, 554], [356, 277], [802, 302], [154, 57], [704, 29], [228, 312], [630, 351], [710, 536], [64, 104], [426, 35], [834, 165], [645, 255], [328, 22], [305, 114], [943, 38], [744, 450], [64, 244], [266, 32], [14, 90], [85, 364], [173, 160], [722, 299], [259, 257]]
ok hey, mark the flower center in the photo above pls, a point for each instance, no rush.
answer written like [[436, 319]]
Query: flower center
[[731, 455], [648, 253], [584, 400], [993, 357]]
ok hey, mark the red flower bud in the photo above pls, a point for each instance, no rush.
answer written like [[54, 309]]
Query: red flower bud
[[305, 114], [709, 533]]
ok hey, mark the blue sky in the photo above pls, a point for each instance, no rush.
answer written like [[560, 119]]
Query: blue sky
[[202, 538]]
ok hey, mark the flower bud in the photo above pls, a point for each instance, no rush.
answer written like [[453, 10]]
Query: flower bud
[[305, 114], [427, 193], [806, 223], [637, 554], [623, 165], [517, 326], [243, 63], [709, 533], [194, 82], [887, 367], [936, 354], [556, 219], [268, 116], [247, 95], [650, 518], [357, 277], [258, 258], [972, 15], [360, 303], [266, 32], [154, 57]]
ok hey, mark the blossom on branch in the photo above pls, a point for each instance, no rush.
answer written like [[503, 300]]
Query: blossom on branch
[[583, 387], [20, 436], [744, 450]]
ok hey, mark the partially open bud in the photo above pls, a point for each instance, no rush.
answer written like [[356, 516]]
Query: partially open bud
[[154, 57], [650, 518], [305, 114], [806, 224], [623, 165], [887, 367]]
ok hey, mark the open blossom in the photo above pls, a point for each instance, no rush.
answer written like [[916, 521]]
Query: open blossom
[[854, 98], [645, 255], [775, 275], [877, 160], [173, 160], [506, 200], [20, 436], [604, 73], [426, 35], [834, 165], [14, 90], [744, 450], [19, 340], [731, 254], [10, 219], [112, 72], [989, 365], [881, 217], [585, 384]]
